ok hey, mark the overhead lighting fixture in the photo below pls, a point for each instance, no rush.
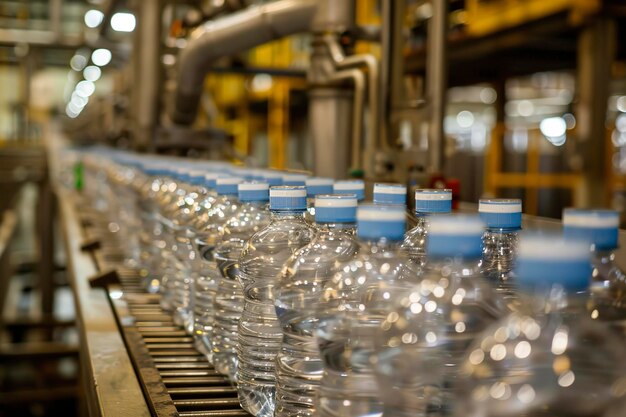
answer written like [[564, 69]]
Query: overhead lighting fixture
[[93, 18], [101, 57], [553, 128], [123, 22], [78, 62], [85, 88], [92, 73]]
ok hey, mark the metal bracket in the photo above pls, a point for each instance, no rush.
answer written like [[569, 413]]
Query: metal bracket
[[90, 245], [104, 279]]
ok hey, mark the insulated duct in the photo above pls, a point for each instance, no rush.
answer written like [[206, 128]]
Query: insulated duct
[[229, 35]]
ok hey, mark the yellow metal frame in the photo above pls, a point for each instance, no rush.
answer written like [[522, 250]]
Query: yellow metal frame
[[532, 180], [484, 17]]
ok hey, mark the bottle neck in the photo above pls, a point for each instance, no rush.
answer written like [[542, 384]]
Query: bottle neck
[[503, 231], [347, 227], [421, 215], [460, 261], [603, 256], [556, 298], [382, 245], [288, 214], [256, 204]]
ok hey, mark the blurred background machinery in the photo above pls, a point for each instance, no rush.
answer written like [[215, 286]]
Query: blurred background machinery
[[493, 98]]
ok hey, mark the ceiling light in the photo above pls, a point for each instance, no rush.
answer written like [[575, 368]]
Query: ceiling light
[[93, 18], [123, 22], [101, 57], [92, 73], [85, 88]]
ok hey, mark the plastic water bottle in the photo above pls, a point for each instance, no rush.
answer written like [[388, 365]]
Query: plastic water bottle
[[208, 278], [205, 205], [252, 216], [298, 364], [427, 202], [151, 228], [549, 358], [189, 262], [315, 186], [352, 306], [394, 194], [422, 340], [608, 285], [170, 191], [262, 259], [503, 218], [356, 187]]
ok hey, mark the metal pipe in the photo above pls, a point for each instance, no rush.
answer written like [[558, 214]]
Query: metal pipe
[[357, 110], [392, 67], [369, 61], [437, 80], [231, 34], [147, 73]]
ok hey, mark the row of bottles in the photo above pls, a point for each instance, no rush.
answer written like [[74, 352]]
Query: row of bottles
[[316, 303]]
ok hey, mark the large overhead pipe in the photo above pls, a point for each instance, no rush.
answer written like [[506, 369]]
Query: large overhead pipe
[[437, 83], [229, 35]]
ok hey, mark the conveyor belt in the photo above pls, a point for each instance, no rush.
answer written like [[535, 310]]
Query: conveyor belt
[[176, 379]]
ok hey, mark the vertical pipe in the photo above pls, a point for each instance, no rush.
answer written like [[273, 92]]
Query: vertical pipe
[[147, 73], [596, 52], [436, 83]]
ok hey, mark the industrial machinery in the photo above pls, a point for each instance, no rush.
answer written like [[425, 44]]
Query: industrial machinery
[[355, 100]]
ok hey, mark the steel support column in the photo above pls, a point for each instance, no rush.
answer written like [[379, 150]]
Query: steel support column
[[596, 52]]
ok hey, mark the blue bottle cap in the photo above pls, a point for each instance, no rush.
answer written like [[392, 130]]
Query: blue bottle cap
[[181, 174], [378, 221], [210, 179], [288, 198], [246, 173], [356, 187], [257, 174], [294, 179], [273, 178], [452, 235], [501, 213], [335, 208], [254, 191], [227, 186], [543, 261], [389, 194], [598, 227], [196, 177], [318, 185], [429, 200]]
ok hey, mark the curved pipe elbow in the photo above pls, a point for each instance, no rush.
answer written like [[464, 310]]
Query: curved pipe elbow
[[229, 35]]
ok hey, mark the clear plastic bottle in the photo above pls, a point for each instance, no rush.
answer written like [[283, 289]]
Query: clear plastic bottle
[[422, 340], [352, 306], [207, 281], [394, 194], [608, 285], [252, 216], [503, 218], [189, 262], [356, 187], [262, 259], [315, 186], [166, 202], [151, 228], [298, 364], [427, 202], [549, 358]]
